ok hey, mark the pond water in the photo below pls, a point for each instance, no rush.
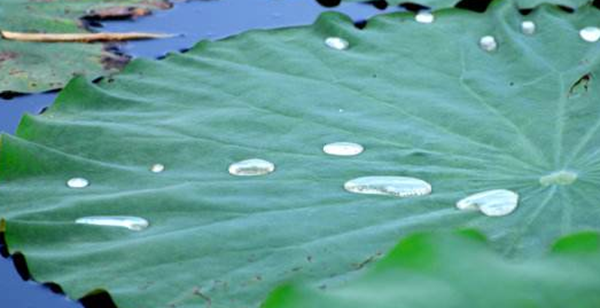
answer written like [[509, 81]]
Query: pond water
[[192, 21]]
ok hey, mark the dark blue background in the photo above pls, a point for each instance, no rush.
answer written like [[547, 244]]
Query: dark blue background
[[194, 21]]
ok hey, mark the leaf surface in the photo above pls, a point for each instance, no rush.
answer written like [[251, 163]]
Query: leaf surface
[[522, 4], [424, 100]]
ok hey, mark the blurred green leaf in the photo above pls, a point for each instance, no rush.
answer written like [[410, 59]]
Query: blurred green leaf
[[458, 270], [35, 67]]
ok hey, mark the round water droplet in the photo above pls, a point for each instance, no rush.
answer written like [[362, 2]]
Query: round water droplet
[[337, 43], [157, 168], [128, 222], [343, 148], [590, 34], [424, 17], [488, 43], [397, 186], [528, 27], [78, 183], [251, 167], [562, 177], [497, 202]]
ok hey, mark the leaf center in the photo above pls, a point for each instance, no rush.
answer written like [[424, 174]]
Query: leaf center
[[562, 177]]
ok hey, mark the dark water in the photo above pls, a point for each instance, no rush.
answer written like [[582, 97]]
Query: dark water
[[12, 110], [194, 21], [218, 19]]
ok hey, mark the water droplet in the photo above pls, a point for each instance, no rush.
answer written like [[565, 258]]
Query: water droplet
[[337, 43], [590, 34], [128, 222], [528, 27], [251, 167], [424, 17], [78, 183], [397, 186], [488, 43], [157, 168], [497, 202], [341, 110], [562, 177], [343, 148]]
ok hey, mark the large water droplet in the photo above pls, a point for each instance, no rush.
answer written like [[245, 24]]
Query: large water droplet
[[397, 186], [128, 222], [337, 43], [497, 202], [528, 27], [488, 43], [78, 183], [157, 168], [562, 177], [424, 17], [251, 167], [343, 148], [590, 34]]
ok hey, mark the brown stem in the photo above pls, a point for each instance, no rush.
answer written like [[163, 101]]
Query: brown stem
[[79, 37]]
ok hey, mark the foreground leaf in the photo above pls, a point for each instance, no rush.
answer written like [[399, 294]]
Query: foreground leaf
[[522, 4], [35, 67], [435, 270], [424, 100]]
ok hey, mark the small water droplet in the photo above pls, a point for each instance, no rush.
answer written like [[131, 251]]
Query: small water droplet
[[78, 183], [562, 177], [397, 186], [251, 167], [128, 222], [488, 43], [590, 34], [337, 43], [497, 202], [341, 110], [528, 27], [157, 168], [343, 148], [424, 17]]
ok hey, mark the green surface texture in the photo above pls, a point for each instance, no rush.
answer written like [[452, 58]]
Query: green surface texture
[[423, 99], [522, 4]]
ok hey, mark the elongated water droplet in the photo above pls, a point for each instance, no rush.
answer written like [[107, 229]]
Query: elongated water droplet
[[128, 222], [398, 186], [562, 177], [424, 17], [251, 167], [78, 183], [157, 168], [497, 202], [488, 43], [343, 148], [528, 27], [590, 34], [337, 43]]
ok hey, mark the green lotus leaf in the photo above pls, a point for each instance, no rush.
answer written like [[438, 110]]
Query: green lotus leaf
[[522, 4], [424, 100], [35, 67], [459, 270]]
